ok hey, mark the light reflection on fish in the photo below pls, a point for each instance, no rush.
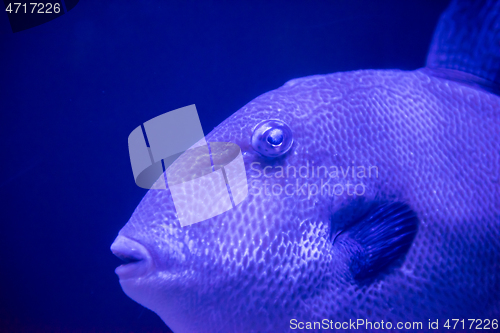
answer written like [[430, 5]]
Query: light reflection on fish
[[421, 242]]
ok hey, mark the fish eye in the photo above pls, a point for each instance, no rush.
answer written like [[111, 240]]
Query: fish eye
[[272, 138], [275, 137]]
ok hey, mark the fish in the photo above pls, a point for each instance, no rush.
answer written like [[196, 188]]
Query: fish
[[373, 203]]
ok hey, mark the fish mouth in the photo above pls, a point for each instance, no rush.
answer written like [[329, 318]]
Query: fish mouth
[[137, 260]]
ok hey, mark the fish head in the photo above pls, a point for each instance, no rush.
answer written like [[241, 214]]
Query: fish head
[[365, 154], [257, 252]]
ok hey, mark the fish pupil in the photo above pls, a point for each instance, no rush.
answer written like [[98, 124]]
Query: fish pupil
[[275, 137]]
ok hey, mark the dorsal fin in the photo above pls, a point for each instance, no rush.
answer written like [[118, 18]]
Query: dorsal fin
[[467, 39]]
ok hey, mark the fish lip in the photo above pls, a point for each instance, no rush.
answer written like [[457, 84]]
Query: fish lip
[[137, 259]]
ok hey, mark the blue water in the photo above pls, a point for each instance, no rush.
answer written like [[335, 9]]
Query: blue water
[[74, 88]]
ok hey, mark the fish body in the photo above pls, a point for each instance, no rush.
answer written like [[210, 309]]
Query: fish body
[[413, 235]]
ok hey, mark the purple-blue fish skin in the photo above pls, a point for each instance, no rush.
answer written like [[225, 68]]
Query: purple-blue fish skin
[[432, 138]]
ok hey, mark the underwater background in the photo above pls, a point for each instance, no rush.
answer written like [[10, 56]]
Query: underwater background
[[74, 88]]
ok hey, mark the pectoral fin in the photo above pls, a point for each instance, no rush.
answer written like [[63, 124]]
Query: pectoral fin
[[377, 237]]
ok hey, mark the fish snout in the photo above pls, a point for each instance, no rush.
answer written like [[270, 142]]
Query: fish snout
[[137, 259]]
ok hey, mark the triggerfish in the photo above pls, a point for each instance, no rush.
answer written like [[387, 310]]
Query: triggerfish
[[373, 199]]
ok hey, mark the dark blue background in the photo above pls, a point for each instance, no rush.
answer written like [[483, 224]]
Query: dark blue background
[[74, 88]]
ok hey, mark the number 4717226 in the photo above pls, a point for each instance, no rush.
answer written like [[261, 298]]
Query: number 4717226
[[43, 8], [479, 324]]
